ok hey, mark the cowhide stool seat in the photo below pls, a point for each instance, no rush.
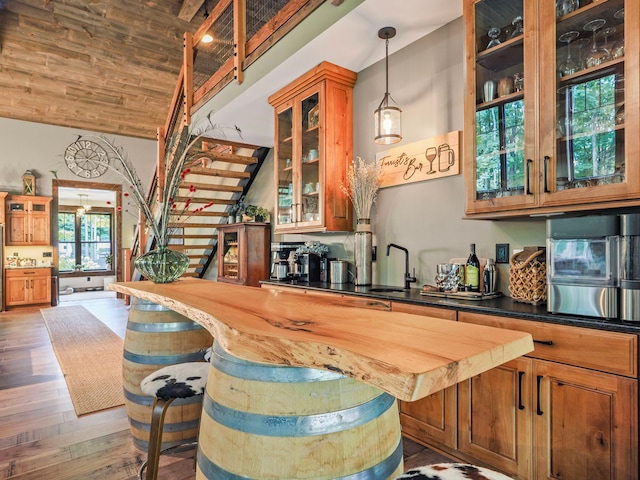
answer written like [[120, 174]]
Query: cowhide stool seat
[[182, 380], [452, 471]]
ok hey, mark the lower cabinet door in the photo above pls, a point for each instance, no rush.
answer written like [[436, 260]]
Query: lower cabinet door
[[585, 423], [432, 419], [16, 291], [41, 289], [494, 418]]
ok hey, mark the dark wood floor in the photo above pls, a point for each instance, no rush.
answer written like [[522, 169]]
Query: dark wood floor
[[40, 435]]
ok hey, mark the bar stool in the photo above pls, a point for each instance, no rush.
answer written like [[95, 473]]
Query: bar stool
[[452, 471], [182, 380]]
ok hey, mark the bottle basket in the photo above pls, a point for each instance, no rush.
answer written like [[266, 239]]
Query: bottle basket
[[528, 276]]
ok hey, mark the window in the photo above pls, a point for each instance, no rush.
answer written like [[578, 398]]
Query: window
[[85, 242]]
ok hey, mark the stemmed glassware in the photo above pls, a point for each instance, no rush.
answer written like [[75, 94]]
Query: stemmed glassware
[[597, 55], [618, 48], [565, 7], [494, 33], [518, 27], [570, 65], [580, 44]]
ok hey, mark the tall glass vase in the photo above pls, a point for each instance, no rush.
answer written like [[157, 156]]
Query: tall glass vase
[[363, 252], [162, 265]]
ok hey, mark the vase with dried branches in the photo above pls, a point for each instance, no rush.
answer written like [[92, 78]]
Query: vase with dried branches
[[363, 183]]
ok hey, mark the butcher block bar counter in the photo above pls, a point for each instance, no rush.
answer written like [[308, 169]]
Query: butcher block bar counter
[[339, 349]]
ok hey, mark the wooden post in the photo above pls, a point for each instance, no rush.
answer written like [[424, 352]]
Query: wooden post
[[239, 38]]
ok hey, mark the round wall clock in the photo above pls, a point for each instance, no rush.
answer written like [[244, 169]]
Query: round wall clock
[[86, 159]]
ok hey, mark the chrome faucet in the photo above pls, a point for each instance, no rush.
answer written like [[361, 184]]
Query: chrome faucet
[[408, 279]]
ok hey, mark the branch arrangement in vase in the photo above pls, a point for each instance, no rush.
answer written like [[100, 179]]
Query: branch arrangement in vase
[[363, 183]]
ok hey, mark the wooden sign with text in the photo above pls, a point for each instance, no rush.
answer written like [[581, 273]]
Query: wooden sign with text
[[424, 160]]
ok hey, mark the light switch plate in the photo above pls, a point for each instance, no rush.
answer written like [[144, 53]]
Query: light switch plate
[[502, 253]]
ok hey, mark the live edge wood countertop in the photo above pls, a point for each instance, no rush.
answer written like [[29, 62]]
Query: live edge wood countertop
[[408, 356]]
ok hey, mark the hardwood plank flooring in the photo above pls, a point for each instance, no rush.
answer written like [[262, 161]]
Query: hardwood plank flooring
[[40, 435]]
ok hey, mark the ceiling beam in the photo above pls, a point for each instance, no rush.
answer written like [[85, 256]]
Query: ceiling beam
[[189, 9]]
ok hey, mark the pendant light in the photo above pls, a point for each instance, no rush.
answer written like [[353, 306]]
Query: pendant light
[[388, 116]]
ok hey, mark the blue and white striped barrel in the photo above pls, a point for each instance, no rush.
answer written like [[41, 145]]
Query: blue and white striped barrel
[[277, 422], [157, 336]]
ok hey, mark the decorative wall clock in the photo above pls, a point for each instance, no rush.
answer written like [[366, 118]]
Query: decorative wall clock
[[86, 159]]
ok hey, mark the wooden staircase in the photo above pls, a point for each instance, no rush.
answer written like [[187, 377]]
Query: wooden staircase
[[222, 179]]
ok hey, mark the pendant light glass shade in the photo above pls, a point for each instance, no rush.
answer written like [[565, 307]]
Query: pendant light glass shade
[[388, 116]]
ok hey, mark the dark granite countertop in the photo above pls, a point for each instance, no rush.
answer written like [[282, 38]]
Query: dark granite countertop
[[504, 306]]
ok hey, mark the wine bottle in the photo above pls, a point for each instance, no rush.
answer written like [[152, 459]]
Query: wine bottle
[[472, 271]]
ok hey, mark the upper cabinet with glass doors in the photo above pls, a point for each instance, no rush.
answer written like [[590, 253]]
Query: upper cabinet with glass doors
[[552, 86], [313, 147]]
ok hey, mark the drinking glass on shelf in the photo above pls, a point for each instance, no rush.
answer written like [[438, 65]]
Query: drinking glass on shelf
[[494, 33], [597, 55], [518, 28], [605, 34], [580, 44], [570, 65], [565, 7], [617, 50]]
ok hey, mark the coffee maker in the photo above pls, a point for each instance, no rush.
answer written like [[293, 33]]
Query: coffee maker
[[280, 251]]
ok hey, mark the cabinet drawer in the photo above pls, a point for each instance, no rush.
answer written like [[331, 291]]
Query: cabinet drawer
[[583, 347], [26, 272]]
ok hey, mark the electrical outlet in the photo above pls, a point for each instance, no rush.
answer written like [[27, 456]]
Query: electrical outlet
[[502, 253], [47, 254]]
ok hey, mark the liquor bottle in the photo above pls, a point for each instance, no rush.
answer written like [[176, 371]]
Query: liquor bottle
[[472, 271]]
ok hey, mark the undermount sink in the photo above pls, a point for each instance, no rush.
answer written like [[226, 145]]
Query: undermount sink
[[386, 290]]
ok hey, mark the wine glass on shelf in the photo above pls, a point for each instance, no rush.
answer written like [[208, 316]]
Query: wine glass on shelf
[[618, 48], [605, 34], [493, 33], [518, 28], [565, 7], [570, 65], [580, 44], [597, 55]]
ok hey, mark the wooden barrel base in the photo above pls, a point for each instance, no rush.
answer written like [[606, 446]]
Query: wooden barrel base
[[275, 422]]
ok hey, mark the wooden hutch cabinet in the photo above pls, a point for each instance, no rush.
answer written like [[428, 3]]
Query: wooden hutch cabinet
[[243, 253], [28, 220], [551, 92], [313, 148], [27, 286]]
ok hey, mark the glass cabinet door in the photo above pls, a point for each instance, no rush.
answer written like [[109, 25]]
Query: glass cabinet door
[[589, 90], [284, 169], [229, 258], [501, 169], [310, 164], [299, 160]]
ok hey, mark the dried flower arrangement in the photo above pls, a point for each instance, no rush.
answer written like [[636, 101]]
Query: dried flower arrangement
[[363, 182]]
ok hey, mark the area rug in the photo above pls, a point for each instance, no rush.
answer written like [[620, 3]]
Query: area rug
[[90, 357]]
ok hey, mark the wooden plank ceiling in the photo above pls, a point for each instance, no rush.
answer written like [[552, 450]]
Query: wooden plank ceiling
[[108, 66]]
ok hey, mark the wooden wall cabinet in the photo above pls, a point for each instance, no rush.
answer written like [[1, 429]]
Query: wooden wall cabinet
[[567, 410], [28, 220], [435, 416], [27, 286], [547, 113], [312, 150], [243, 253]]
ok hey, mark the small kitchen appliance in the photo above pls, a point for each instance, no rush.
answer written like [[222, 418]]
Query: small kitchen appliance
[[582, 265], [280, 266]]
